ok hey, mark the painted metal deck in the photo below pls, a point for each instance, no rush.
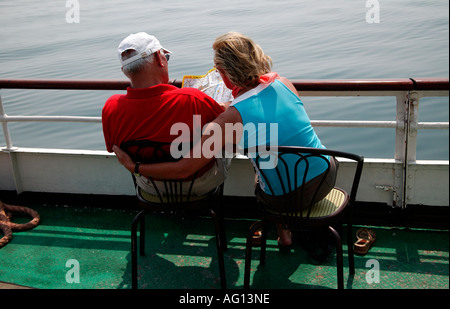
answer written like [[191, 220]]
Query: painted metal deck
[[89, 248]]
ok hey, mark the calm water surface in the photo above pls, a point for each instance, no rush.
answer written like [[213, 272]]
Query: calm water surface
[[326, 39]]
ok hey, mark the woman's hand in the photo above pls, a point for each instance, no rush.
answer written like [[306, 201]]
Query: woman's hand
[[124, 158], [225, 105]]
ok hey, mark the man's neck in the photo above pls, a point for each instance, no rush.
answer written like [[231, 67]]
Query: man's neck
[[146, 80], [142, 84]]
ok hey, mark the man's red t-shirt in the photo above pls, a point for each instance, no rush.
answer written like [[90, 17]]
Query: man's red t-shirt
[[149, 113]]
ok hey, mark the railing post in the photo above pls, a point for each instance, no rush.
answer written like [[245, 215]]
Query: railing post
[[9, 148], [5, 126], [400, 131], [411, 145], [413, 115], [406, 143], [401, 148]]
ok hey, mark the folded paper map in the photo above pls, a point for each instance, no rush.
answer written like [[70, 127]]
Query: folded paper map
[[211, 83]]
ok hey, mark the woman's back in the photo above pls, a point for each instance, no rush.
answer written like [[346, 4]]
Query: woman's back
[[273, 115]]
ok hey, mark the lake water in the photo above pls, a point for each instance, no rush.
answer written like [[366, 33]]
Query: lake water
[[326, 39]]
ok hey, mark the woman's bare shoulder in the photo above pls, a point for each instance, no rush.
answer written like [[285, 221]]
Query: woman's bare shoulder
[[288, 84]]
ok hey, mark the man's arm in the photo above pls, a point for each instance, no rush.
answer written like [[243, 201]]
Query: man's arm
[[200, 155]]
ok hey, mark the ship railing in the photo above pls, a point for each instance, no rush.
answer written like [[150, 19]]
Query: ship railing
[[407, 91]]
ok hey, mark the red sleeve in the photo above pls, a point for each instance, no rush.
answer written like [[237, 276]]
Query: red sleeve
[[209, 108], [107, 114]]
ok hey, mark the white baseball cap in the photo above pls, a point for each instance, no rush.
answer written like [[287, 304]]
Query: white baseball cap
[[141, 42]]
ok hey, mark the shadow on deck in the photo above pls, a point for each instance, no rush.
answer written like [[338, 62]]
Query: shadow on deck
[[89, 248]]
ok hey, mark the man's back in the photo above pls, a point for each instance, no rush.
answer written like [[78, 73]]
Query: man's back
[[150, 113]]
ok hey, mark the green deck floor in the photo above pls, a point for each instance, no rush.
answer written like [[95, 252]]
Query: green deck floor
[[94, 243]]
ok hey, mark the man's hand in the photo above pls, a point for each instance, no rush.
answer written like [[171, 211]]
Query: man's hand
[[124, 158]]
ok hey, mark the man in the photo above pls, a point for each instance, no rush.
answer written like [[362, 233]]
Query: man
[[151, 107]]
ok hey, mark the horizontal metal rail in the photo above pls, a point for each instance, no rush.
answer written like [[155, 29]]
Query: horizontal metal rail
[[6, 118], [314, 123], [354, 87], [404, 84]]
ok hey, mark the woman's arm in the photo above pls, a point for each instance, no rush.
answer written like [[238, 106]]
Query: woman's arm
[[213, 140], [169, 170]]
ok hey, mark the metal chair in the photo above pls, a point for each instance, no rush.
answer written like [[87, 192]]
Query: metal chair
[[292, 210], [176, 198]]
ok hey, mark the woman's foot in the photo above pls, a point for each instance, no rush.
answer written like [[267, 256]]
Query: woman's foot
[[284, 236]]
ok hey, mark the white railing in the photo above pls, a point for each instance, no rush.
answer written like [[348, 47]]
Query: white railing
[[407, 92]]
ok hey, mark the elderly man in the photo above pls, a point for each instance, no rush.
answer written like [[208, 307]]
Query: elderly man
[[151, 107]]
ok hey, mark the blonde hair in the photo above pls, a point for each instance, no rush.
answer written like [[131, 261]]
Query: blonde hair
[[242, 60]]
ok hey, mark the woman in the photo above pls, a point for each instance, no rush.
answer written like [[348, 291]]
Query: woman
[[261, 98]]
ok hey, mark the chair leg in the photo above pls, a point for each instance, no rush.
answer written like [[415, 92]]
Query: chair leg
[[351, 257], [262, 258], [221, 218], [339, 258], [142, 236], [248, 252], [222, 231], [219, 242], [134, 226]]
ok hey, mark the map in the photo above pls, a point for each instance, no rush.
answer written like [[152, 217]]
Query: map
[[211, 83]]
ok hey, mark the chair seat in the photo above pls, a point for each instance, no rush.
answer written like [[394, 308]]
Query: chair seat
[[330, 204], [147, 197], [327, 206]]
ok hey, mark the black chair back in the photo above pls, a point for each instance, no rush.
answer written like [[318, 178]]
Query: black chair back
[[291, 192], [174, 191]]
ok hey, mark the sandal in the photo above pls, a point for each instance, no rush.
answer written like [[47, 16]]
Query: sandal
[[257, 238], [365, 239]]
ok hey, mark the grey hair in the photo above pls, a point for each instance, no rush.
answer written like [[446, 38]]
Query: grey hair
[[135, 66]]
